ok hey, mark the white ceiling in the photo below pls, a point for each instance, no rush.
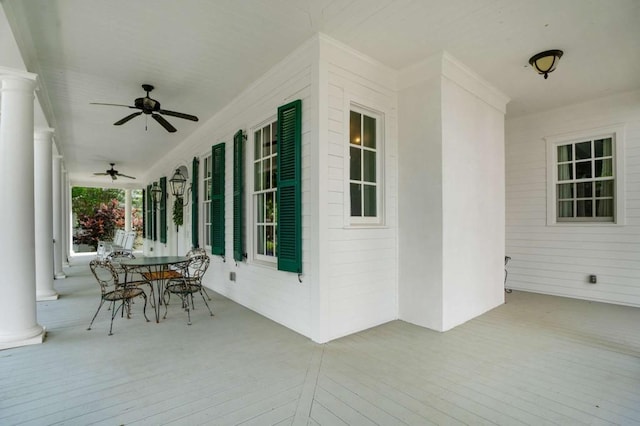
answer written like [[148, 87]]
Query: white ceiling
[[200, 54]]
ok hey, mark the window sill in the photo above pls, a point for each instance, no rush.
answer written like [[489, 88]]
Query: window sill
[[366, 226]]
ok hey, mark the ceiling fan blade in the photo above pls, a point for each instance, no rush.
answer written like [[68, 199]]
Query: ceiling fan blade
[[127, 118], [101, 174], [121, 175], [164, 123], [179, 115], [120, 105]]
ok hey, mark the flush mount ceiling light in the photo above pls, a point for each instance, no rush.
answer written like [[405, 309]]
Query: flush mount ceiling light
[[546, 62]]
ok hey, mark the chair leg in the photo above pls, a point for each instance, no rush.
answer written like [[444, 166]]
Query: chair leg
[[114, 312], [205, 301], [144, 310], [205, 292], [96, 314]]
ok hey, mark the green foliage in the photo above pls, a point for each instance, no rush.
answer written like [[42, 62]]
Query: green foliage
[[100, 225], [178, 216], [100, 211], [84, 201]]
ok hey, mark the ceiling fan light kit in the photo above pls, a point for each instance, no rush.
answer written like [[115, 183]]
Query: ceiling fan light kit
[[150, 106]]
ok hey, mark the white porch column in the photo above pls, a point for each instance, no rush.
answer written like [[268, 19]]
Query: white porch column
[[66, 219], [127, 210], [43, 209], [18, 322], [57, 218]]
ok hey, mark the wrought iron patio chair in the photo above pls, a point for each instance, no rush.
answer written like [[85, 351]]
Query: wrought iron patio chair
[[189, 283], [113, 291], [196, 251]]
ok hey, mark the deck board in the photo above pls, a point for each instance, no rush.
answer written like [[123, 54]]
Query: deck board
[[537, 360]]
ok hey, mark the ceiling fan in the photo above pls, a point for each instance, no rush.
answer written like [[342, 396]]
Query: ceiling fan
[[150, 107], [113, 173]]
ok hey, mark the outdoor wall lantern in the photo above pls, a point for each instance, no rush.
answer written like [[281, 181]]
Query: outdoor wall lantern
[[178, 184], [156, 193], [545, 62]]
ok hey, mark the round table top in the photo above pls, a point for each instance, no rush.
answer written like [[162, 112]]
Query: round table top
[[154, 260]]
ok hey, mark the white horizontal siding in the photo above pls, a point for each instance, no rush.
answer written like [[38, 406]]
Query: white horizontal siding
[[277, 295], [558, 259], [361, 269]]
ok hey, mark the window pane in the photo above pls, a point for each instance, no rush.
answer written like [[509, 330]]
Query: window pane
[[565, 190], [257, 176], [260, 239], [266, 141], [604, 208], [369, 200], [274, 172], [564, 153], [583, 170], [207, 190], [270, 239], [274, 138], [369, 132], [584, 190], [356, 200], [270, 213], [604, 188], [355, 161], [260, 208], [602, 147], [369, 169], [584, 208], [565, 172], [583, 150], [257, 144], [565, 209], [354, 128], [266, 170], [604, 168]]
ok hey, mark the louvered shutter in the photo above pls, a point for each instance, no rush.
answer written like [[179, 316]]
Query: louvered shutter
[[217, 199], [144, 213], [154, 216], [194, 202], [149, 219], [289, 242], [238, 196], [163, 210]]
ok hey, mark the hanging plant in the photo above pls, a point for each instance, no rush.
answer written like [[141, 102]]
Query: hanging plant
[[178, 219]]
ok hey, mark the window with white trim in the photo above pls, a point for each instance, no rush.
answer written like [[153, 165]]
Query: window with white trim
[[365, 159], [585, 175], [206, 203], [265, 169]]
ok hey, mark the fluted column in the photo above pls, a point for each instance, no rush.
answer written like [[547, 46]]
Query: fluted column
[[57, 218], [43, 209], [18, 322]]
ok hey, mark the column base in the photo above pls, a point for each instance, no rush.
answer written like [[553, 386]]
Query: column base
[[59, 276], [45, 297], [36, 337]]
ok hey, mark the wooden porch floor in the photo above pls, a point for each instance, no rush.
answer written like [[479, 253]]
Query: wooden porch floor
[[535, 360]]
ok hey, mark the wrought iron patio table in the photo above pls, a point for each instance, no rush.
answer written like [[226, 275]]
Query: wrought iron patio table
[[156, 269]]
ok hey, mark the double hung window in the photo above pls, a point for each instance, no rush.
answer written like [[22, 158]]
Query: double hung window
[[585, 178], [365, 155], [265, 170]]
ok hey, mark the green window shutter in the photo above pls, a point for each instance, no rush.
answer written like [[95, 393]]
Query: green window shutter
[[217, 199], [163, 210], [154, 218], [289, 233], [149, 219], [194, 202], [238, 195], [144, 213]]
